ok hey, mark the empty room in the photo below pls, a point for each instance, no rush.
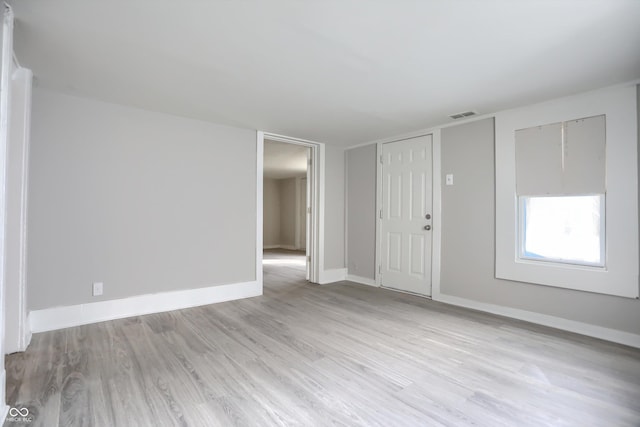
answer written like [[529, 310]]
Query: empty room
[[320, 213]]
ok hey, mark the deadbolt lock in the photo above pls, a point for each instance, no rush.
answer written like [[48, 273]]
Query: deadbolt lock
[[428, 216]]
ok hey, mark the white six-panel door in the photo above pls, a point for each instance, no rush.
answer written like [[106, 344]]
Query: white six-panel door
[[406, 216]]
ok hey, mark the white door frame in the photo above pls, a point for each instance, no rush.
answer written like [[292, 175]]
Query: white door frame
[[5, 64], [315, 238], [300, 202], [436, 221], [17, 332]]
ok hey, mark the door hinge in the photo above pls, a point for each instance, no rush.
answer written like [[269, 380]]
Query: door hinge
[[380, 213], [309, 162], [379, 269], [381, 162], [309, 209], [309, 258]]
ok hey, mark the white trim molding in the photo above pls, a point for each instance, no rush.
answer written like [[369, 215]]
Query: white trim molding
[[285, 247], [332, 276], [4, 409], [620, 274], [436, 191], [581, 328], [259, 207], [317, 244], [16, 327], [362, 280], [5, 98], [378, 236], [50, 319], [436, 243], [28, 332], [315, 239]]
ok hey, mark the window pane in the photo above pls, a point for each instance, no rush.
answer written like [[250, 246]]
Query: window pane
[[565, 229]]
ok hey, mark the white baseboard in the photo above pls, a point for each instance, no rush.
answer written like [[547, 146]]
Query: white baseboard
[[600, 332], [28, 333], [65, 317], [286, 247], [361, 280], [331, 276]]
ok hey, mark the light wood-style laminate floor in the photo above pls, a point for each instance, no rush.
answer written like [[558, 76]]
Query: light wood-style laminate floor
[[307, 355]]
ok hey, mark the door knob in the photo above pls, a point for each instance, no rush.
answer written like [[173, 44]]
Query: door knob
[[427, 227], [428, 216]]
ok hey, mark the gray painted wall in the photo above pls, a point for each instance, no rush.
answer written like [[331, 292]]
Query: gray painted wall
[[271, 213], [361, 208], [288, 211], [144, 202], [468, 241], [334, 212], [280, 201]]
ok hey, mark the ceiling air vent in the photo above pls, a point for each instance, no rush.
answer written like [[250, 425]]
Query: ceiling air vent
[[461, 115]]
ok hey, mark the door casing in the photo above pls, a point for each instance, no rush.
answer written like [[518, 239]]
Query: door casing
[[436, 210], [408, 163], [315, 177]]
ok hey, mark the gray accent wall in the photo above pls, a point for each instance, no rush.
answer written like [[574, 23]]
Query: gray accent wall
[[361, 209], [468, 241], [334, 212], [142, 201]]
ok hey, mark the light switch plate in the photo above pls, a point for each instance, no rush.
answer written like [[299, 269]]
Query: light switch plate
[[97, 289], [449, 179]]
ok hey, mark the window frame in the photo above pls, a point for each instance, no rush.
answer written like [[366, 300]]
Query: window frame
[[620, 277], [522, 234]]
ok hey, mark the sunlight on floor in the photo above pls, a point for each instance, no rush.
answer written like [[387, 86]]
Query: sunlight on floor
[[283, 262]]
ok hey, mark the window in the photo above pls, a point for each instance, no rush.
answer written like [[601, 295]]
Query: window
[[560, 184], [563, 229], [560, 167]]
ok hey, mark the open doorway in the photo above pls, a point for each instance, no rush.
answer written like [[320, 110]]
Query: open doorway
[[286, 213]]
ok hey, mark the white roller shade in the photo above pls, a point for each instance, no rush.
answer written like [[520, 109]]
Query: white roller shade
[[561, 158], [584, 156], [539, 160]]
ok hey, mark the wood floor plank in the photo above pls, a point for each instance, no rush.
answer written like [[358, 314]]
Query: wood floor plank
[[306, 355]]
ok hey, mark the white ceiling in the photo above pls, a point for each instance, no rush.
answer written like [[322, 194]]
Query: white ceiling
[[282, 160], [335, 71]]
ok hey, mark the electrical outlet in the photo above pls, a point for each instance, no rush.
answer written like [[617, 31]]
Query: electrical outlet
[[97, 288]]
